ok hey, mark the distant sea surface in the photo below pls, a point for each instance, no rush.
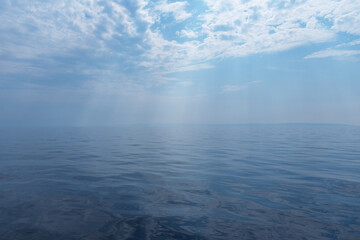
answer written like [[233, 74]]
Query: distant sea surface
[[180, 182]]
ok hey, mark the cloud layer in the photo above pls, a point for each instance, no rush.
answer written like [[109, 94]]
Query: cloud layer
[[143, 40]]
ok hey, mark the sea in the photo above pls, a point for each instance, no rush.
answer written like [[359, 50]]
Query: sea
[[163, 182]]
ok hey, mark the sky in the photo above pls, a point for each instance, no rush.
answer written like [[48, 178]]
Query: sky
[[103, 63]]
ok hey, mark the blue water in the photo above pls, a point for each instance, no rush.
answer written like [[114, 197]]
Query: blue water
[[180, 182]]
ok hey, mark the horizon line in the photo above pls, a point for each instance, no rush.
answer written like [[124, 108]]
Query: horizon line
[[177, 124]]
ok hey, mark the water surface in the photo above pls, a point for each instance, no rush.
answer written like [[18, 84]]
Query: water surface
[[180, 182]]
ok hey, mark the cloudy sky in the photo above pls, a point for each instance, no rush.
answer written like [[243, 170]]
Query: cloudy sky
[[108, 62]]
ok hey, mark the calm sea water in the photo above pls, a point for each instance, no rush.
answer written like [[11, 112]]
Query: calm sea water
[[180, 182]]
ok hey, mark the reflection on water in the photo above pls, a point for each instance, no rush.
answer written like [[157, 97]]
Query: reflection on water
[[172, 182]]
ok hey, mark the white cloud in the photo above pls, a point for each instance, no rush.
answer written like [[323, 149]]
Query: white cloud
[[227, 28], [333, 53], [230, 28], [337, 51], [177, 9], [195, 67], [346, 17], [187, 33], [355, 42], [123, 15]]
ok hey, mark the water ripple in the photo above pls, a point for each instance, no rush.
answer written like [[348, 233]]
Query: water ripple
[[172, 182]]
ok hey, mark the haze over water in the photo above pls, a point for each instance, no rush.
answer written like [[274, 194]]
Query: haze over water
[[180, 182]]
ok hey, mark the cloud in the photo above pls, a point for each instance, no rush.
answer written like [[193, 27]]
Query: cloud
[[337, 51], [177, 9], [195, 67], [231, 28], [355, 42], [139, 40], [123, 15], [333, 53], [187, 33]]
